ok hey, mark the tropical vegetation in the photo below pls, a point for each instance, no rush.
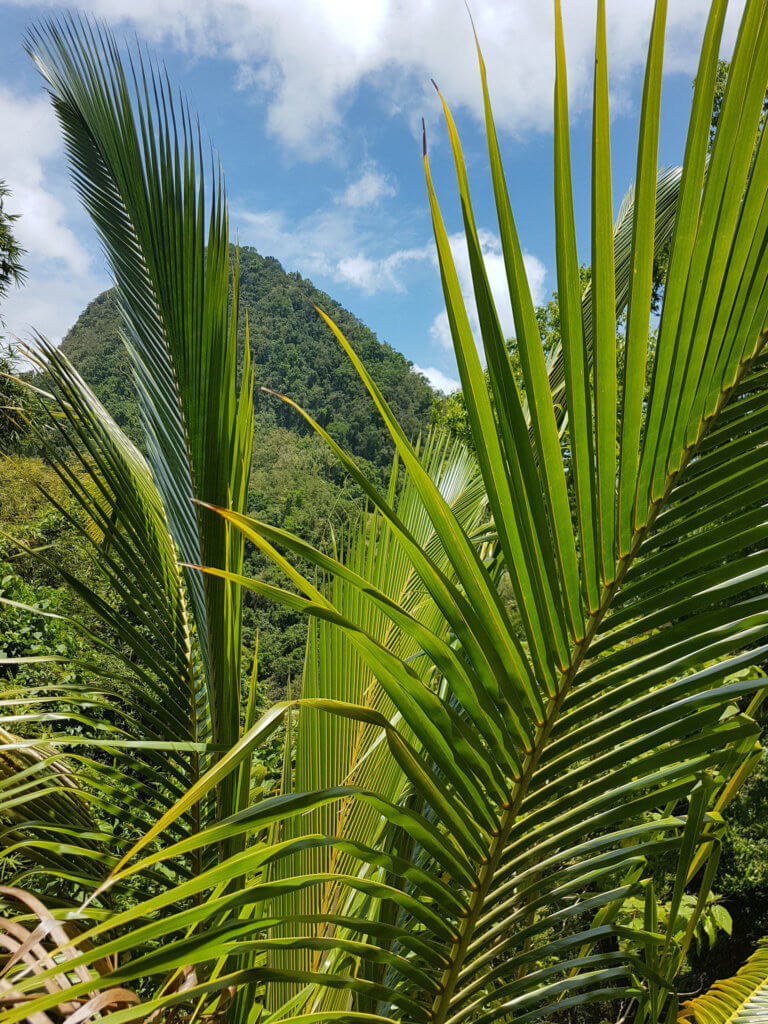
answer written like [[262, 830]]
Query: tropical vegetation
[[532, 681], [11, 253], [295, 481]]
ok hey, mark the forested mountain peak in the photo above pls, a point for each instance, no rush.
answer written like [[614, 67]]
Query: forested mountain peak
[[293, 353]]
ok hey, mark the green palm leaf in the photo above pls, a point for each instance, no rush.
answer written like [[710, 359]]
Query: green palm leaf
[[545, 748], [331, 751], [164, 701], [137, 166], [586, 770], [140, 719]]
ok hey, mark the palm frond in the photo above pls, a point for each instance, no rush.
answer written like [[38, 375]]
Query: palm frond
[[331, 751], [740, 998], [28, 947], [544, 750], [628, 724], [122, 725], [137, 164]]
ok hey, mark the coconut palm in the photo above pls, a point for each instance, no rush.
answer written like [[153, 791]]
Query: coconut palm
[[504, 732]]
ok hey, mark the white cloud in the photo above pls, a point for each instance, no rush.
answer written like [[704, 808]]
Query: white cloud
[[440, 331], [29, 140], [361, 271], [320, 244], [59, 277], [384, 274], [309, 57], [440, 381], [497, 278], [369, 188], [49, 303]]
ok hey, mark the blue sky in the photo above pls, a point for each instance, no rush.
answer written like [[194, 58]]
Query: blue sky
[[315, 109]]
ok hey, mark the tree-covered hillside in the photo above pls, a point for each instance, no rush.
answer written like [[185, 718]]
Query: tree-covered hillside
[[295, 482], [293, 353]]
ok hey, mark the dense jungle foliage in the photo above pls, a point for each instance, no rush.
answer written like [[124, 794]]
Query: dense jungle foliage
[[290, 353], [295, 480]]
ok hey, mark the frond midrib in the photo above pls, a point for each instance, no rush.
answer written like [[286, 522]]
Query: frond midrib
[[442, 1004]]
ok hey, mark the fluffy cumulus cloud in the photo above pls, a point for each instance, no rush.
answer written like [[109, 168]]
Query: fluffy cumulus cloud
[[58, 264], [385, 273], [30, 139], [309, 63], [497, 278], [440, 381], [368, 189], [335, 243]]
